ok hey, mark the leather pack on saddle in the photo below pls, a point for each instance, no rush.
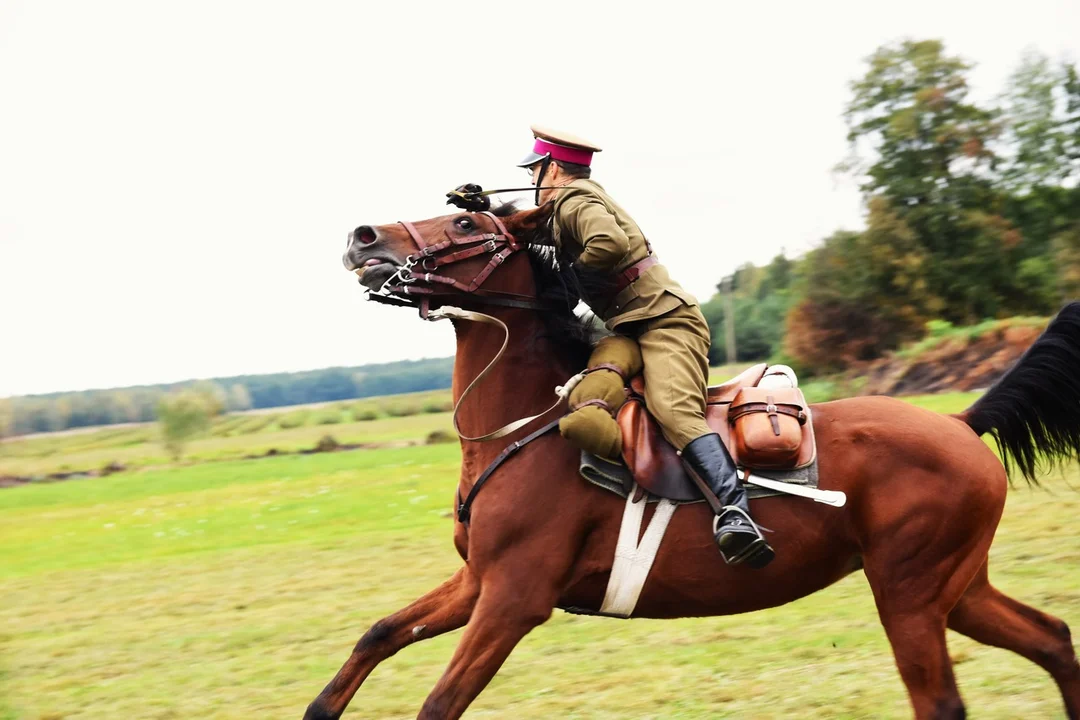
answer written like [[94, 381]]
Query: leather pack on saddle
[[763, 424]]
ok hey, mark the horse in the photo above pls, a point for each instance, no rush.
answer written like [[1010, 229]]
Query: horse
[[925, 492]]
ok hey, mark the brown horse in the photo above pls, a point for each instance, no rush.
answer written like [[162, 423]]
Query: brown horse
[[925, 493]]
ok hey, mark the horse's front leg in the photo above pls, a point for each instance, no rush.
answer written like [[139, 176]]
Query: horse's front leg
[[516, 596], [445, 608]]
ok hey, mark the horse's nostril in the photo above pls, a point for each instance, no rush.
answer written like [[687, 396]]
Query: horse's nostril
[[364, 234]]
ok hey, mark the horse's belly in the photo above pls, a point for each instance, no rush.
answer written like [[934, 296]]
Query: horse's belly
[[690, 578]]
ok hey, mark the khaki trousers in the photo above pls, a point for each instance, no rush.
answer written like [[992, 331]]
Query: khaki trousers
[[675, 350]]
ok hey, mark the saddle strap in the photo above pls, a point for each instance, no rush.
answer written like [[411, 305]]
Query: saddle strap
[[634, 559], [607, 366], [602, 404], [778, 409]]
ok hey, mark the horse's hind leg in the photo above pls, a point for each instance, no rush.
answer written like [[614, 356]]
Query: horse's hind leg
[[989, 617], [918, 568], [445, 608]]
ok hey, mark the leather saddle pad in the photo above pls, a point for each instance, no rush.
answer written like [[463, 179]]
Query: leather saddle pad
[[654, 462]]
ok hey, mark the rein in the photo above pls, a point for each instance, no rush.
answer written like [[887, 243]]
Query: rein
[[500, 245], [562, 392]]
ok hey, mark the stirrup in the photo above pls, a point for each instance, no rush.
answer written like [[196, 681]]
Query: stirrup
[[757, 553], [746, 516]]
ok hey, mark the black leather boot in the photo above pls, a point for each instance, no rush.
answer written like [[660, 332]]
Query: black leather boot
[[738, 537]]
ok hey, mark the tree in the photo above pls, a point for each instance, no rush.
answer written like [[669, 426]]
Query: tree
[[7, 417], [183, 415], [214, 396], [239, 398], [861, 293], [921, 144], [1038, 138], [1067, 260], [761, 300]]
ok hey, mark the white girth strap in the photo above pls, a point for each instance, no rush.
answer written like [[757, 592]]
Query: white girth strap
[[633, 560]]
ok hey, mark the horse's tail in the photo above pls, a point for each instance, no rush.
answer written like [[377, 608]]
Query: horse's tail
[[1033, 411]]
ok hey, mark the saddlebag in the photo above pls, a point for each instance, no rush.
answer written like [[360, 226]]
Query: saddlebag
[[767, 426]]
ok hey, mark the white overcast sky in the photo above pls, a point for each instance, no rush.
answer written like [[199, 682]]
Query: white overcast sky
[[177, 178]]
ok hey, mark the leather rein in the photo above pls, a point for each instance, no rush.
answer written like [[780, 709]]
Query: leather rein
[[423, 268]]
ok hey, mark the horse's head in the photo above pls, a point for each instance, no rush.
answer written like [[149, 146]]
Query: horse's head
[[429, 256]]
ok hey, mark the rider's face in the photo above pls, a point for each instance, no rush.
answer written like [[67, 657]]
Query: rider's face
[[533, 171]]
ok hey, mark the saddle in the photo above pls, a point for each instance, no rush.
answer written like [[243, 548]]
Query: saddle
[[764, 428]]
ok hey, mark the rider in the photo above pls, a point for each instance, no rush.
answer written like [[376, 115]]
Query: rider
[[648, 305]]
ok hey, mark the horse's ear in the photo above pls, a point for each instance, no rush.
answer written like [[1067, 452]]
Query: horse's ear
[[528, 223]]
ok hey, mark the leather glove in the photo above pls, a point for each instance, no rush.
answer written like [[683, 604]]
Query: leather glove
[[467, 197]]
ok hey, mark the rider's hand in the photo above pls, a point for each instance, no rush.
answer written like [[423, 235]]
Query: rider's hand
[[467, 197]]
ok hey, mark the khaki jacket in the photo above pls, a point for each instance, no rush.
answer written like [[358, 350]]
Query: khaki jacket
[[591, 227]]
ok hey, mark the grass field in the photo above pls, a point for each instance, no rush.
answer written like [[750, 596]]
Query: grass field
[[235, 589]]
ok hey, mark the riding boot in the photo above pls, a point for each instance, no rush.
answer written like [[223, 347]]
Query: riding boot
[[736, 534]]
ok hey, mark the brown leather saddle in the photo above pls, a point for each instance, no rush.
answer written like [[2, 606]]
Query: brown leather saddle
[[656, 465]]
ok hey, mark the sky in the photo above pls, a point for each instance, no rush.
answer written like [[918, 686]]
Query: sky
[[177, 180]]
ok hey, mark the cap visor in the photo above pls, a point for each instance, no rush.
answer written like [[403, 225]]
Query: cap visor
[[531, 159]]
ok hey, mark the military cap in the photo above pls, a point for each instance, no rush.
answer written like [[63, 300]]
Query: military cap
[[558, 146]]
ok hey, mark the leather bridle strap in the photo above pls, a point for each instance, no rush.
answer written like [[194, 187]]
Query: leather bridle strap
[[501, 245], [464, 509]]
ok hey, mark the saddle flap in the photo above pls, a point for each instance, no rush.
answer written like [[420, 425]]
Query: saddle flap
[[652, 460]]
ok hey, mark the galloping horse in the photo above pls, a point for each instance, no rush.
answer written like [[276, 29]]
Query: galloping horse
[[925, 493]]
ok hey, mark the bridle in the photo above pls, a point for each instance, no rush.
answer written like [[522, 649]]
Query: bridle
[[423, 268]]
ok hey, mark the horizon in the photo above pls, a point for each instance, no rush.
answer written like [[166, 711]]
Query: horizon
[[180, 214], [222, 378]]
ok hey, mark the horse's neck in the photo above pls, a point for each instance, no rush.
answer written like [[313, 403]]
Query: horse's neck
[[522, 383]]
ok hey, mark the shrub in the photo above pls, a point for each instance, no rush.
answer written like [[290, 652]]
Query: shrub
[[436, 437], [295, 419], [439, 406], [182, 416], [401, 409], [256, 423], [327, 443], [329, 416]]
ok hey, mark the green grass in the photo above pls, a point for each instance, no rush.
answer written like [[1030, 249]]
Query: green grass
[[235, 589]]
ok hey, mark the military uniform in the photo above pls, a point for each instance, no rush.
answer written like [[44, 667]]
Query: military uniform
[[665, 319], [589, 226]]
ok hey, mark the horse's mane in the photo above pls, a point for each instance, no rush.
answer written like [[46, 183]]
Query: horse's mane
[[558, 285]]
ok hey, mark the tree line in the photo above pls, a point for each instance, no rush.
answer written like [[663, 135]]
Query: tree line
[[972, 212], [62, 411]]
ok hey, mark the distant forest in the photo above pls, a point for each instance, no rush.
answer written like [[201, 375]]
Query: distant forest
[[61, 411]]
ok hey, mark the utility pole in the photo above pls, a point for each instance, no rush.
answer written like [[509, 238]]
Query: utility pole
[[729, 318]]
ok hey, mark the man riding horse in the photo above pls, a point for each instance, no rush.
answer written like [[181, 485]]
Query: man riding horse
[[643, 302]]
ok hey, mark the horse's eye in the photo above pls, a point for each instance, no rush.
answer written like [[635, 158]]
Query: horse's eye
[[464, 223]]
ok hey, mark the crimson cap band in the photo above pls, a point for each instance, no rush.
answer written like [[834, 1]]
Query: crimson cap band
[[559, 146]]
